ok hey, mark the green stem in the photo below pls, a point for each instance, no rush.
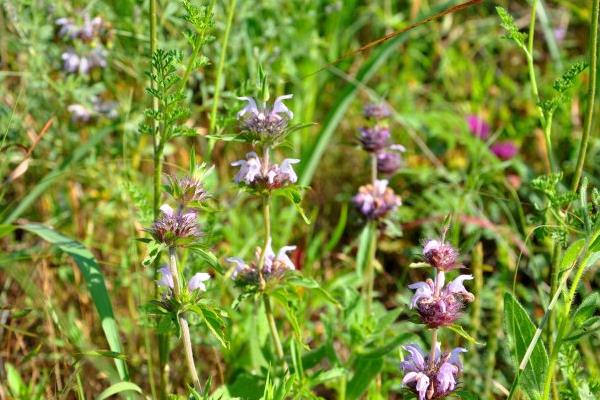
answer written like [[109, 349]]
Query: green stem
[[273, 329], [219, 75], [591, 95], [554, 273], [185, 329], [434, 336], [369, 282]]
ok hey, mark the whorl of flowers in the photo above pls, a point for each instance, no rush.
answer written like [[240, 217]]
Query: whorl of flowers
[[376, 200], [264, 123], [83, 64], [175, 227], [374, 138], [274, 265], [376, 111], [431, 379], [441, 255], [81, 114], [187, 190], [90, 29], [255, 173], [438, 305], [196, 282], [389, 161]]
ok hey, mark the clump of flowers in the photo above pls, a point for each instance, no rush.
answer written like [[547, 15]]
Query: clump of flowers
[[87, 43], [431, 377], [440, 305], [376, 200], [259, 174], [273, 266], [261, 122], [175, 227], [266, 125], [81, 114], [196, 282], [504, 150], [435, 375]]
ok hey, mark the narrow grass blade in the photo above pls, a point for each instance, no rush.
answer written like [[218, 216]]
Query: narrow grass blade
[[95, 282]]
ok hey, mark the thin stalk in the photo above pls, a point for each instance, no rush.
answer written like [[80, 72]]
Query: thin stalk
[[273, 329], [369, 281], [185, 329], [591, 95], [554, 273], [370, 268], [434, 336], [563, 328], [477, 267], [220, 67]]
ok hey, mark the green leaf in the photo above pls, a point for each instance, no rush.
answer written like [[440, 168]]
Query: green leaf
[[214, 321], [520, 331], [154, 249], [366, 369], [567, 80], [386, 348], [118, 388], [583, 321], [364, 242], [15, 383], [324, 376], [512, 31], [208, 256], [459, 330], [95, 283], [6, 229]]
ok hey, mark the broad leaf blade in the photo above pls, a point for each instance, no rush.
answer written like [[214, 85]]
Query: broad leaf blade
[[520, 331]]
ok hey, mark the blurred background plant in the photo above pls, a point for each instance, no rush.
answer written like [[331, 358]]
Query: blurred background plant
[[74, 159]]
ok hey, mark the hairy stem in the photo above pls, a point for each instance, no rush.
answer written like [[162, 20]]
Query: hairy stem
[[434, 339], [185, 329], [591, 95]]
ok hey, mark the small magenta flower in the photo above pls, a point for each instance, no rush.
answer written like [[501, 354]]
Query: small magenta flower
[[388, 162], [478, 127], [275, 265], [376, 111], [265, 122], [374, 139], [440, 306], [431, 379], [504, 150], [441, 255], [175, 227], [376, 200], [254, 174]]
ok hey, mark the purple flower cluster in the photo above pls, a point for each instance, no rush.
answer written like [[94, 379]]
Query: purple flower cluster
[[504, 150], [376, 111], [274, 265], [376, 139], [81, 114], [89, 30], [188, 191], [431, 379], [376, 200], [258, 174], [440, 305], [83, 64], [89, 39], [175, 227], [196, 282], [264, 123]]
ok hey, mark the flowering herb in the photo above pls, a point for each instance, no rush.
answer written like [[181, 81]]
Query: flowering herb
[[376, 200], [434, 375], [431, 377]]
